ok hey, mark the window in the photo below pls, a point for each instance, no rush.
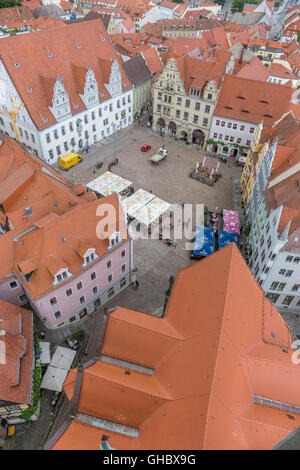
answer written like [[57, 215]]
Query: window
[[209, 96], [13, 285], [226, 137], [242, 128], [123, 268], [187, 103], [215, 135], [63, 130], [58, 151], [229, 125], [251, 130], [197, 108], [231, 139], [262, 240], [86, 119], [268, 227], [220, 136], [295, 287], [222, 123], [110, 277], [82, 299], [71, 127], [195, 119], [205, 121], [32, 138], [66, 146], [267, 270], [274, 285], [53, 301], [186, 116], [179, 100], [207, 109], [110, 292], [282, 272], [272, 297], [123, 282], [296, 260], [159, 108], [72, 319], [93, 276], [108, 264], [95, 290], [100, 112], [69, 292], [50, 153], [177, 113], [289, 273], [55, 134], [97, 303], [57, 314], [123, 253], [217, 122], [287, 300], [281, 286], [289, 259], [22, 298], [48, 139], [248, 142], [79, 285], [234, 126]]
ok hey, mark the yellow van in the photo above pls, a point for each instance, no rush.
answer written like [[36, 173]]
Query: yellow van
[[69, 160]]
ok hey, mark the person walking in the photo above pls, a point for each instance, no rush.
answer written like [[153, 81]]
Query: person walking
[[137, 284]]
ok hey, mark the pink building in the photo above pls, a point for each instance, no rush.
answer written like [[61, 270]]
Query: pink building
[[127, 26], [69, 267], [62, 250]]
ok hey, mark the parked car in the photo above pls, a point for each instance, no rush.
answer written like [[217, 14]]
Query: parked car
[[145, 148]]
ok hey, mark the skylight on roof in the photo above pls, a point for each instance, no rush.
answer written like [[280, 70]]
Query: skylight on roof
[[241, 97], [64, 239], [17, 64], [29, 90]]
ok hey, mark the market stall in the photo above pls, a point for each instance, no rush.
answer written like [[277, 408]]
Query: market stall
[[118, 186], [225, 238], [134, 203], [99, 183], [204, 243], [152, 212], [231, 221]]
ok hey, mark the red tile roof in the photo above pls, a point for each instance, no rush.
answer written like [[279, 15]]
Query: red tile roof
[[16, 372], [252, 101], [254, 70], [219, 335], [39, 75]]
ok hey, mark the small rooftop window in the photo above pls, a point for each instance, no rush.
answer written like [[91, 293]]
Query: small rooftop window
[[64, 239], [241, 97], [17, 65], [268, 115], [28, 210], [29, 90], [78, 45], [49, 54]]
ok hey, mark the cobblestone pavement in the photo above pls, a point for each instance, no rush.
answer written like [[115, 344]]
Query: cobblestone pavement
[[154, 260]]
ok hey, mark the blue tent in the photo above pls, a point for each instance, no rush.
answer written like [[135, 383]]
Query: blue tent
[[204, 243], [227, 237]]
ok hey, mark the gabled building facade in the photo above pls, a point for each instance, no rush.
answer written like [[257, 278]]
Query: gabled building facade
[[65, 107], [185, 95]]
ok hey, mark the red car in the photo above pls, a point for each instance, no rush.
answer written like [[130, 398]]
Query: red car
[[145, 148]]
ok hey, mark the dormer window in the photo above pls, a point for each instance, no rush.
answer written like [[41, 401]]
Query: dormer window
[[89, 257], [114, 239]]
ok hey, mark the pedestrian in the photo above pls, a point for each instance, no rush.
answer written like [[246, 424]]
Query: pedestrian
[[137, 284], [117, 161]]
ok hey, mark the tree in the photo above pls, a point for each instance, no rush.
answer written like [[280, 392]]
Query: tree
[[10, 3], [177, 1], [237, 5], [298, 38]]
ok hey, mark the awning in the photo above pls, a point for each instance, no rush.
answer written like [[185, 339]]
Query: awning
[[231, 221], [45, 352], [63, 358], [54, 379], [227, 237], [151, 212], [204, 243]]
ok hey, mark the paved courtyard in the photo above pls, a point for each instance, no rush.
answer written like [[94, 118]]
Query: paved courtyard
[[170, 181]]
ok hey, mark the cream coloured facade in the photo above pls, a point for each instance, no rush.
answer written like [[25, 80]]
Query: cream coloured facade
[[183, 105]]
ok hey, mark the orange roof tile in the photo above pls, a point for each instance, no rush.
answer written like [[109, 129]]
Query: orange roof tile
[[69, 41], [252, 101], [16, 372], [224, 339]]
